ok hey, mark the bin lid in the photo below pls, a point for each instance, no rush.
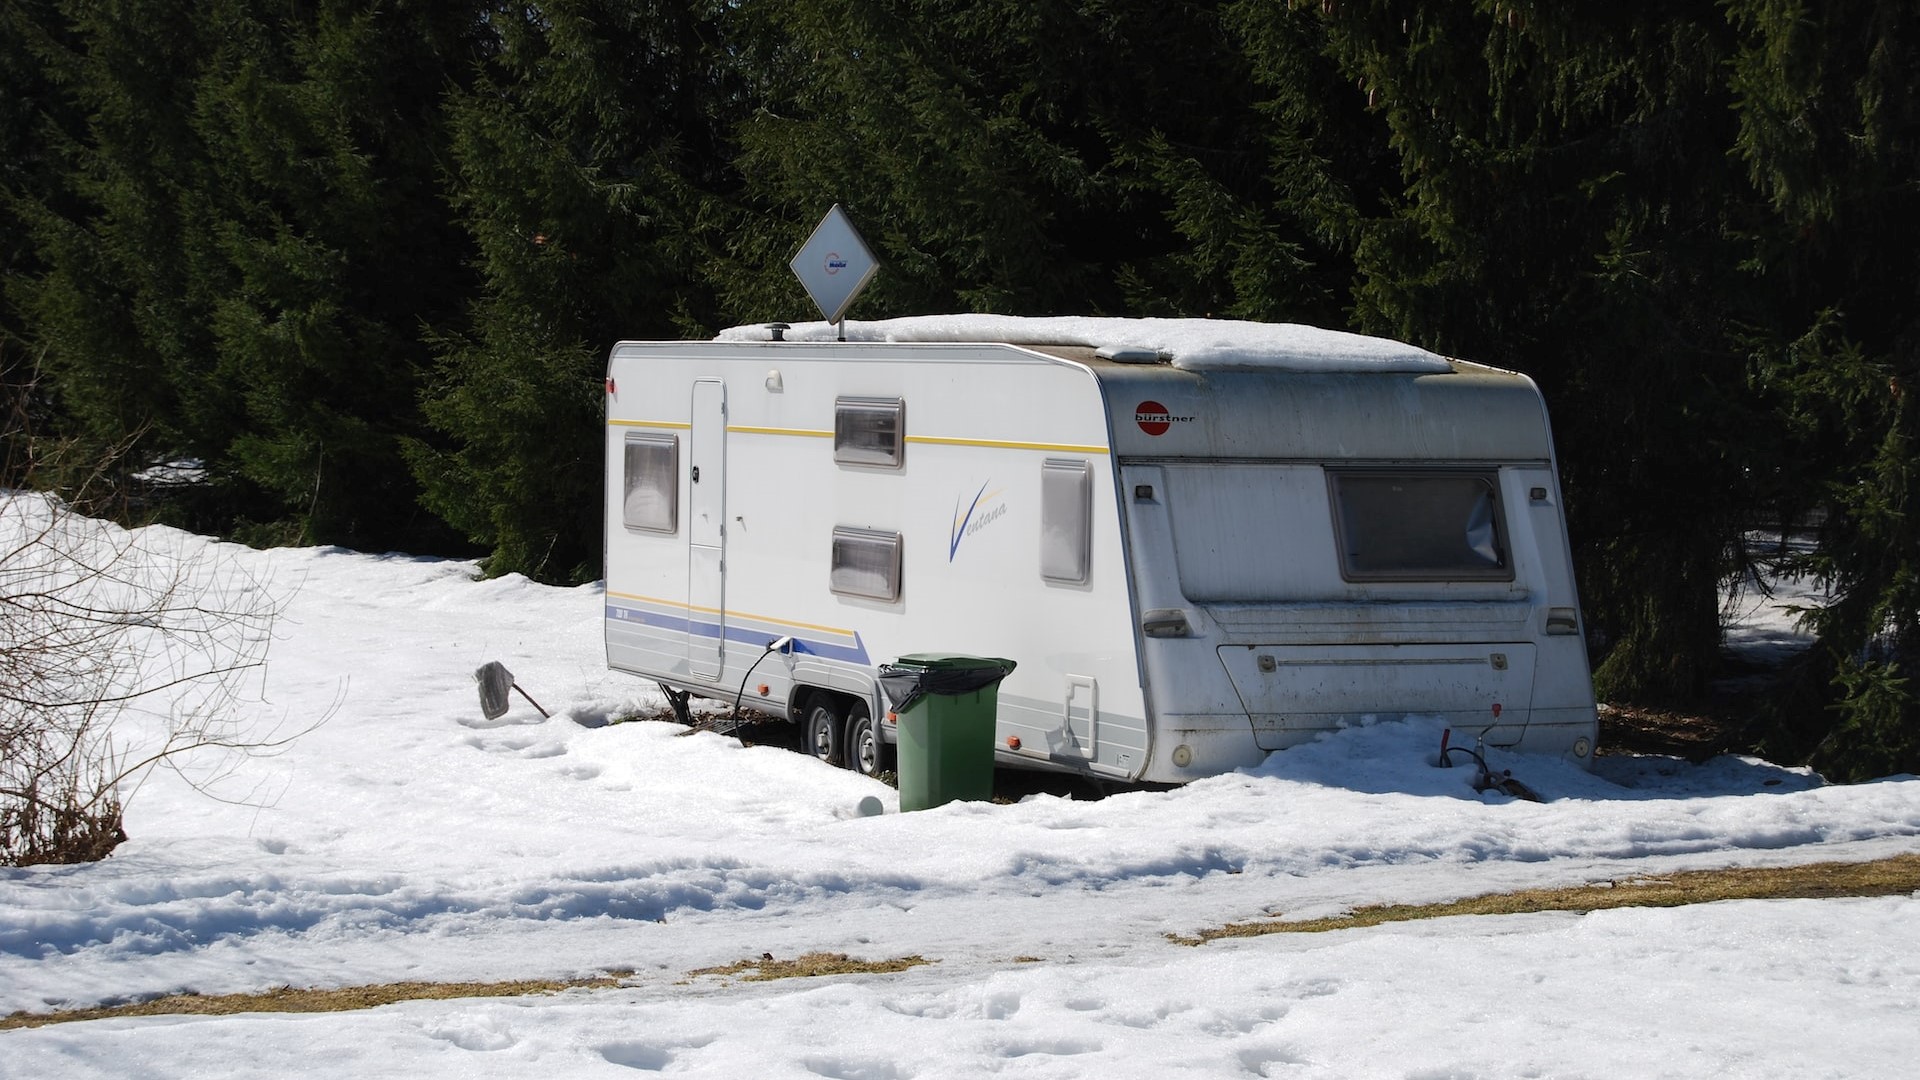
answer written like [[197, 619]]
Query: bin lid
[[952, 662], [914, 676]]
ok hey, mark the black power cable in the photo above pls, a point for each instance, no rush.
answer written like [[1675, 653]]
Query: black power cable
[[779, 643]]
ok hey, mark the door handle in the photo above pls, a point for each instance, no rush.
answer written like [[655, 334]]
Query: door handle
[[696, 474]]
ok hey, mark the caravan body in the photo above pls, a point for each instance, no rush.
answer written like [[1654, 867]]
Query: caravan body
[[1193, 563]]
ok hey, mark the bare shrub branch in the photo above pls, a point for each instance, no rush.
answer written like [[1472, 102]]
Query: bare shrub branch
[[120, 651]]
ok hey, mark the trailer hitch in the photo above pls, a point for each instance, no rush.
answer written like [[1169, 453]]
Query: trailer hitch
[[1484, 777]]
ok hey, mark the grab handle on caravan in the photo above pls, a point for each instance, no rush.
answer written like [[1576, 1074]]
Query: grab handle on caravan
[[1165, 622]]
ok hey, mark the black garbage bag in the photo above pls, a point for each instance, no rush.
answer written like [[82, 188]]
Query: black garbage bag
[[910, 678]]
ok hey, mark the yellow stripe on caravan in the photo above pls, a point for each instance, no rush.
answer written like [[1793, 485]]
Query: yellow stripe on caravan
[[1002, 444], [931, 440], [805, 432], [730, 613]]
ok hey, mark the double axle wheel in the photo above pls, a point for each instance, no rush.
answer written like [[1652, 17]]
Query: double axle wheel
[[845, 734]]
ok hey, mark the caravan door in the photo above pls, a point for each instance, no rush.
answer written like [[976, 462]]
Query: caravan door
[[707, 530]]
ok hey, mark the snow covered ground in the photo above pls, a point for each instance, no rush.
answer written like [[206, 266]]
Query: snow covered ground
[[406, 838]]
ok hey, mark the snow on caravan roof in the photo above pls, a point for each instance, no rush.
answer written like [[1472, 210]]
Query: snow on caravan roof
[[1194, 344]]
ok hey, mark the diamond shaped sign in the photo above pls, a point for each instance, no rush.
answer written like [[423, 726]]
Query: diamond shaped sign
[[834, 264]]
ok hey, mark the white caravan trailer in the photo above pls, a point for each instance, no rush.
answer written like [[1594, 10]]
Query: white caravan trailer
[[1201, 541]]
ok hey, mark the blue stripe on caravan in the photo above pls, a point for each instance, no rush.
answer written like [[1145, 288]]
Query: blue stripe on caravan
[[856, 653]]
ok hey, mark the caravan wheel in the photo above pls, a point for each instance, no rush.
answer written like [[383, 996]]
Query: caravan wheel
[[867, 753], [822, 734]]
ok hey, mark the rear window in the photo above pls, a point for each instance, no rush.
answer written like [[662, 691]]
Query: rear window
[[1419, 525]]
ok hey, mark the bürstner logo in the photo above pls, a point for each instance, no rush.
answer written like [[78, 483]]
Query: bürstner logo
[[1154, 419]]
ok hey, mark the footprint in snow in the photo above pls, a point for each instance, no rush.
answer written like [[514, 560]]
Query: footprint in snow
[[843, 1068]]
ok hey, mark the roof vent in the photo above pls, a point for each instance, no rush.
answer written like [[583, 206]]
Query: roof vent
[[1121, 354]]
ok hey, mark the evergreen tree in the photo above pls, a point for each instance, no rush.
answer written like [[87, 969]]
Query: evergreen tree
[[248, 237], [335, 247], [108, 300], [1014, 157], [27, 171], [579, 158], [1830, 133], [913, 115]]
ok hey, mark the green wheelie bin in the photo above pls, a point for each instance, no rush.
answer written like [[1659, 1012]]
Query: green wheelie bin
[[945, 702]]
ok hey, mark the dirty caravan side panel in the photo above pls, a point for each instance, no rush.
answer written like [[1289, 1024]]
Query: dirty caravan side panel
[[1315, 550]]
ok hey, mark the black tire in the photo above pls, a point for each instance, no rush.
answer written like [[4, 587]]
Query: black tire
[[867, 753], [820, 736]]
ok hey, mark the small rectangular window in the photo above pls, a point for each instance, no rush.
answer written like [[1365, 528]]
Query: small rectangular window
[[1419, 525], [869, 431], [652, 494], [1066, 521], [866, 562]]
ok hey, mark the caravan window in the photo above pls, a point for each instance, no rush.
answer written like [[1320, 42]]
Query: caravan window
[[1066, 528], [1419, 525], [652, 492], [869, 431], [866, 563]]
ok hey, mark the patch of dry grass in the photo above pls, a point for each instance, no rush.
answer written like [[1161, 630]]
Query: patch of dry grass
[[288, 999], [1887, 877], [809, 965], [1895, 876]]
